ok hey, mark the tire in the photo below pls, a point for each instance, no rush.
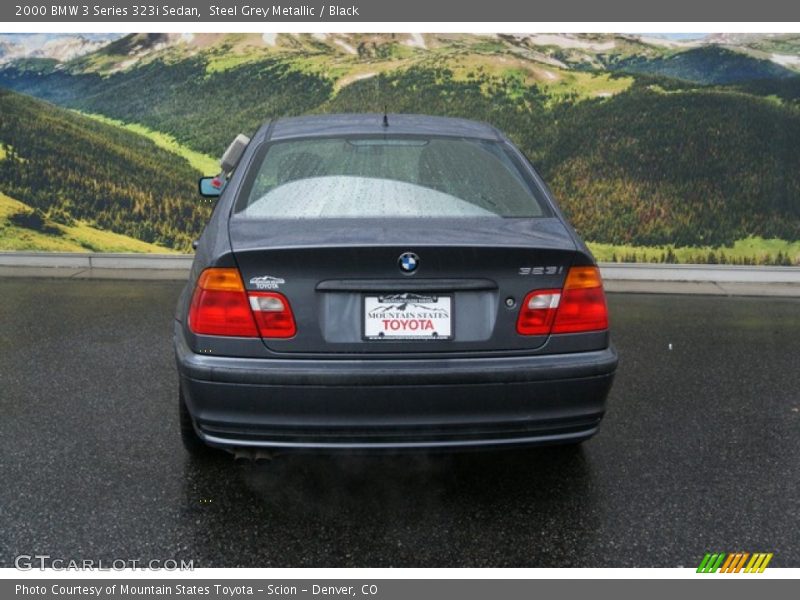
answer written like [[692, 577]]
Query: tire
[[191, 442]]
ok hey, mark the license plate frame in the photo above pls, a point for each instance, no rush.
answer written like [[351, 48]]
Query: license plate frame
[[436, 309]]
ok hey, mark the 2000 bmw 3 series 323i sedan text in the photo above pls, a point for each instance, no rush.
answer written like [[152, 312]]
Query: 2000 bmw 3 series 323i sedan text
[[400, 282]]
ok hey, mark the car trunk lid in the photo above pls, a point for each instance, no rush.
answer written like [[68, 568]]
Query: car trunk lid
[[350, 294]]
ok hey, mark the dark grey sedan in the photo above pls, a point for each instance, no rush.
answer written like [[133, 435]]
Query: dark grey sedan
[[371, 282]]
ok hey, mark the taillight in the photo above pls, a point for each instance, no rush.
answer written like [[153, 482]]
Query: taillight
[[583, 303], [580, 306], [221, 306], [538, 312], [273, 314]]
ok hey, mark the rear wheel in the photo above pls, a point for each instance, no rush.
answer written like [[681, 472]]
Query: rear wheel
[[191, 441]]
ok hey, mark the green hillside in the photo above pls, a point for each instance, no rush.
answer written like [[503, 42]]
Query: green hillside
[[647, 167], [707, 64], [202, 94], [201, 111], [695, 167], [73, 169], [689, 150], [197, 160], [22, 228]]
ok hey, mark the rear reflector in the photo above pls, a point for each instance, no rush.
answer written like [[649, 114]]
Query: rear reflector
[[580, 306], [220, 306], [273, 314]]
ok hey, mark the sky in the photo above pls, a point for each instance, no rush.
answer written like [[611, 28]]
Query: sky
[[677, 36]]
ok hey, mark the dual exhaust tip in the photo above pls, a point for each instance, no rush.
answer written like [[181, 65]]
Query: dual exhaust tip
[[252, 455]]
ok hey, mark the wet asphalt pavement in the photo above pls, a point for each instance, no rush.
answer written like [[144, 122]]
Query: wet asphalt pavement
[[699, 451]]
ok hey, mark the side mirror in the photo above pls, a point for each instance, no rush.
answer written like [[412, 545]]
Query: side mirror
[[211, 187]]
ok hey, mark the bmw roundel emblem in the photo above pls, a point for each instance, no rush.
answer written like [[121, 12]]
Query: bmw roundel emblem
[[408, 262]]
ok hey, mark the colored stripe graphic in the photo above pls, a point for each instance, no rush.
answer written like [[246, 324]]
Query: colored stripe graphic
[[719, 562], [742, 560], [711, 562], [758, 563], [703, 563], [727, 566], [734, 563]]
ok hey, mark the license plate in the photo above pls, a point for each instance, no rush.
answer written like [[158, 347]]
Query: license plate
[[408, 316]]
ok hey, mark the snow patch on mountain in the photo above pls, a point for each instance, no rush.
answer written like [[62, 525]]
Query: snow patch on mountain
[[668, 43], [786, 60], [7, 48], [60, 48], [346, 47], [564, 41], [416, 41]]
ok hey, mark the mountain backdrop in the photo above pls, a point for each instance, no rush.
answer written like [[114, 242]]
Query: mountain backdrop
[[657, 149]]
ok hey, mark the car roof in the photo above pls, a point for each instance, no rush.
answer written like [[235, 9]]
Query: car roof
[[368, 123]]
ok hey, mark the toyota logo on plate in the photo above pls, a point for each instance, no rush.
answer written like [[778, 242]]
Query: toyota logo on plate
[[408, 262]]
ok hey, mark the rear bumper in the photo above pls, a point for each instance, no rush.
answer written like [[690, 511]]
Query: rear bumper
[[395, 404]]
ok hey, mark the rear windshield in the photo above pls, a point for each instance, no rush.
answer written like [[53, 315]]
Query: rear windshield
[[387, 177]]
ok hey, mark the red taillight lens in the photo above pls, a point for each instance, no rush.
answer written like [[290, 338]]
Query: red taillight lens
[[537, 312], [582, 309], [220, 306], [273, 314], [583, 303], [580, 306]]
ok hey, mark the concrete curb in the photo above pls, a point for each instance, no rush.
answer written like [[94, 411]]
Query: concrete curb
[[91, 260], [699, 273], [725, 280]]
